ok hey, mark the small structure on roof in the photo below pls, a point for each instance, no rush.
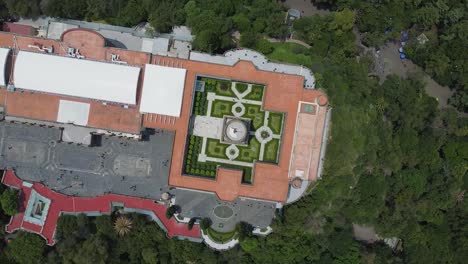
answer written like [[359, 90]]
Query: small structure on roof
[[235, 130], [37, 209], [163, 89]]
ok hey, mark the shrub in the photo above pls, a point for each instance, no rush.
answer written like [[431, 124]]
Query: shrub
[[205, 223], [191, 223], [9, 201], [171, 211], [249, 244]]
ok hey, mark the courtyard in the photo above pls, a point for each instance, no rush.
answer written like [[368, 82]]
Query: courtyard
[[231, 128]]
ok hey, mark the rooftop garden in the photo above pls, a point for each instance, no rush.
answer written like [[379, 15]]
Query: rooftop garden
[[217, 102]]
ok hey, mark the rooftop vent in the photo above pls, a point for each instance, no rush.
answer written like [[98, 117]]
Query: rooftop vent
[[116, 58], [42, 48], [74, 53], [11, 87]]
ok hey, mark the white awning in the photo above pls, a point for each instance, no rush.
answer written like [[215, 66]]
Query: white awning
[[76, 77], [3, 59], [163, 89]]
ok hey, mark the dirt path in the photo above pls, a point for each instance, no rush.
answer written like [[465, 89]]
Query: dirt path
[[365, 233], [291, 40], [388, 62]]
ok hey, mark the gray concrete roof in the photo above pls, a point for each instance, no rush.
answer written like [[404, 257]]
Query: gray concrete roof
[[129, 38], [259, 60], [121, 166], [201, 204]]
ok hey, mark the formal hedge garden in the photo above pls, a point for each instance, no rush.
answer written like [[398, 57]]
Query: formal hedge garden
[[242, 87], [218, 86], [221, 108], [192, 166], [256, 93], [275, 122], [207, 169]]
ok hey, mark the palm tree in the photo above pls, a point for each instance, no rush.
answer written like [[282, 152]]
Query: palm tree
[[122, 225]]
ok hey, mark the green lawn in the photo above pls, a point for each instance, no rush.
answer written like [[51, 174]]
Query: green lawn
[[256, 93], [275, 120], [251, 152], [291, 53], [216, 149], [220, 108], [271, 151], [256, 114], [241, 87]]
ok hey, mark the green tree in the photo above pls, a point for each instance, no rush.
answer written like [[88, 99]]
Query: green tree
[[343, 21], [205, 223], [249, 244], [9, 201], [149, 255], [170, 211], [191, 223], [95, 249], [249, 39], [166, 15], [26, 248], [264, 46]]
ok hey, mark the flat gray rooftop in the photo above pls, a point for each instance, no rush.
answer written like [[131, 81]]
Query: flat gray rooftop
[[200, 204], [121, 166]]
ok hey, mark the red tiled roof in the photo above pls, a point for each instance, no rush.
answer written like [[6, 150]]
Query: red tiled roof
[[18, 29], [60, 203], [283, 93]]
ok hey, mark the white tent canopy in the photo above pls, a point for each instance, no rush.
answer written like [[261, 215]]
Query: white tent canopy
[[71, 112], [3, 59], [75, 77], [163, 89]]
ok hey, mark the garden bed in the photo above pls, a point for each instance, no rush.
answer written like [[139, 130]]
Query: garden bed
[[256, 93], [275, 122], [221, 237], [271, 151], [221, 108]]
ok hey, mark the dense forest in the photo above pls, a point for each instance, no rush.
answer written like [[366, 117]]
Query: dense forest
[[395, 160]]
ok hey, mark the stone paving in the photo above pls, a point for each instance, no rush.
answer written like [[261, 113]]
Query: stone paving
[[120, 166], [199, 204]]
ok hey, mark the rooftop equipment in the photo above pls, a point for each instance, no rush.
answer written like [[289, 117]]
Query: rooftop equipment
[[42, 48], [116, 58]]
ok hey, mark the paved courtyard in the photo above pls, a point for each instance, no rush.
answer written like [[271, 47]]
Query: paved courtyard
[[120, 166], [224, 215]]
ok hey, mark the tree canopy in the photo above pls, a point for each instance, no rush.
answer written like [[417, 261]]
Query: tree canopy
[[394, 160]]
